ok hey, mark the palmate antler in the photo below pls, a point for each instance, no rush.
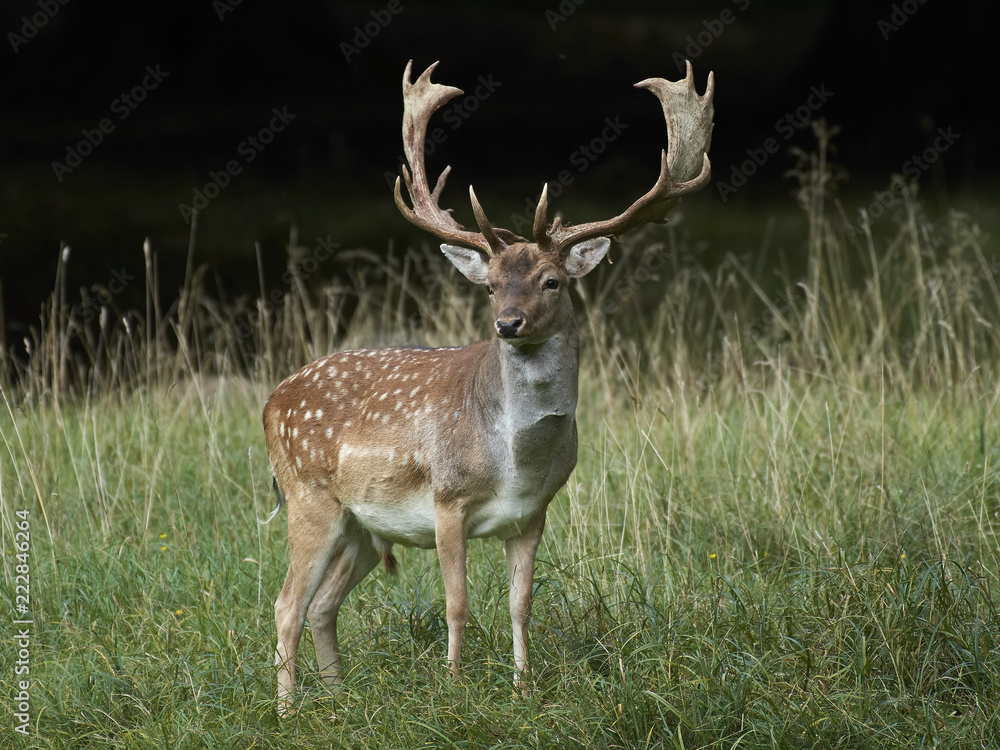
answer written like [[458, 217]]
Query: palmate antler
[[421, 100], [684, 168]]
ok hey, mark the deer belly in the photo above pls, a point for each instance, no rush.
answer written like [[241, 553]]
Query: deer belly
[[388, 493], [406, 520]]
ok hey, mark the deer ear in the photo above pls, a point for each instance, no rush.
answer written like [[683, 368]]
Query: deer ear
[[472, 263], [584, 256]]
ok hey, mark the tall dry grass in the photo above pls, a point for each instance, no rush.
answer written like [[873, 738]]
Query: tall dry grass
[[782, 530]]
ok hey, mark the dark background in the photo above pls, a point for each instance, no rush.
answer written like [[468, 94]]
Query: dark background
[[562, 68]]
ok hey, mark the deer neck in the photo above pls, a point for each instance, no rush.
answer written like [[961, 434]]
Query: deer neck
[[530, 395]]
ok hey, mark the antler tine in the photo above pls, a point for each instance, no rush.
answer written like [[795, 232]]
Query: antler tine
[[541, 219], [684, 164], [494, 243], [421, 99]]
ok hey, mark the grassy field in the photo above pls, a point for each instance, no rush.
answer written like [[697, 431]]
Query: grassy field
[[782, 531]]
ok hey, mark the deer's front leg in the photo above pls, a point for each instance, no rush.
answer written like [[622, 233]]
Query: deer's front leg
[[450, 538], [521, 574]]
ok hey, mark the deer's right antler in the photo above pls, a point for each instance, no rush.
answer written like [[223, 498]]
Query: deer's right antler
[[421, 99]]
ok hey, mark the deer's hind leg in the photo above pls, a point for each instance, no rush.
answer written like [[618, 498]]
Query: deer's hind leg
[[350, 564], [316, 536]]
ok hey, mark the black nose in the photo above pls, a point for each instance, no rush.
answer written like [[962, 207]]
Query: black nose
[[509, 323]]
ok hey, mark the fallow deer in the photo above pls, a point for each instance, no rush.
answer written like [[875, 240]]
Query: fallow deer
[[431, 447]]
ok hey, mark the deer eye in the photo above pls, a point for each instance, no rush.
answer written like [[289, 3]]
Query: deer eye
[[551, 284]]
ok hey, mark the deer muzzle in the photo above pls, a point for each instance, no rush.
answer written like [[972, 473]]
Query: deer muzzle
[[509, 323]]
